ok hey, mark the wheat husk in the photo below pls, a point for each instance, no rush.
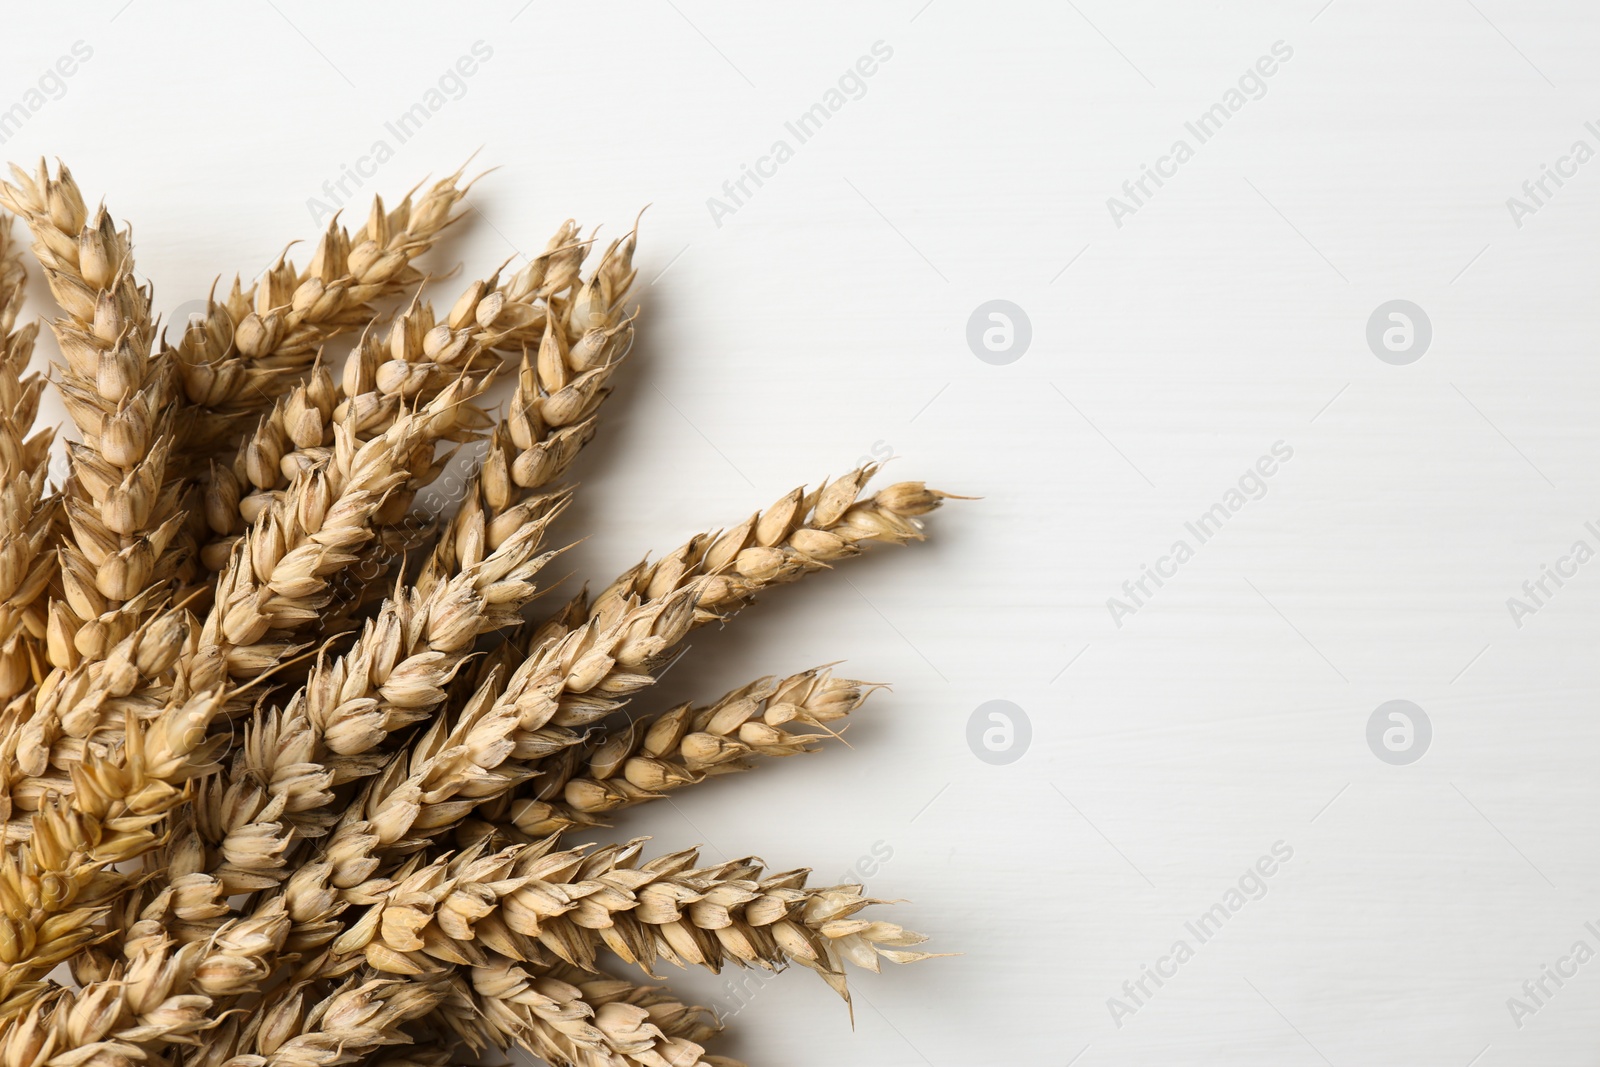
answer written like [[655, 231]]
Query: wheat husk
[[61, 879], [508, 733], [565, 1015], [255, 342], [259, 799], [121, 501], [527, 902], [27, 512], [647, 758]]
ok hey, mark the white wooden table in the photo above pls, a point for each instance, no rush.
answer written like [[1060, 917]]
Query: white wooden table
[[1179, 335]]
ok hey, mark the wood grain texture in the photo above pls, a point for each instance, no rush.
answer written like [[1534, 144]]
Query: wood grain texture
[[824, 319]]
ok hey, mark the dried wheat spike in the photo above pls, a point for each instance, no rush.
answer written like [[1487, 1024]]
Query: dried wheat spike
[[649, 757], [256, 342], [802, 532], [326, 735], [527, 902], [417, 358], [55, 884], [320, 1025], [121, 501], [589, 671], [550, 417], [165, 994], [567, 1016], [277, 579], [231, 781], [27, 513]]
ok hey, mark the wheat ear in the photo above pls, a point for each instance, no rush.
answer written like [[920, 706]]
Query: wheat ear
[[551, 415], [802, 532], [576, 677], [257, 341], [526, 902], [60, 880], [320, 1025], [121, 501], [330, 732], [652, 756], [587, 672], [27, 514], [574, 1018]]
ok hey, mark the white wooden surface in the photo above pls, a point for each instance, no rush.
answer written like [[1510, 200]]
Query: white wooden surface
[[825, 319]]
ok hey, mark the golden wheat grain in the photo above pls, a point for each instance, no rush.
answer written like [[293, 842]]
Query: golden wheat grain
[[649, 757], [170, 739], [574, 678], [325, 735], [253, 344], [61, 879], [567, 1016], [121, 505], [527, 902], [27, 513]]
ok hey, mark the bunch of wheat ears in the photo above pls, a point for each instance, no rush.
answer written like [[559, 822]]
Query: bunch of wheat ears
[[288, 769]]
